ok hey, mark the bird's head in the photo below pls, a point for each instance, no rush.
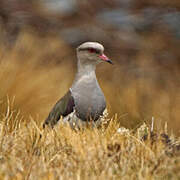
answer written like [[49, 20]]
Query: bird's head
[[92, 52]]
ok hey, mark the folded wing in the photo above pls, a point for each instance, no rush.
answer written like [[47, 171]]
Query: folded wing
[[62, 108]]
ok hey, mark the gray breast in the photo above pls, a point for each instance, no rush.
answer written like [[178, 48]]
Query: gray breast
[[89, 100]]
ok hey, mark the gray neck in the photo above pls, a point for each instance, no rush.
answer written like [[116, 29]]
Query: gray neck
[[85, 72]]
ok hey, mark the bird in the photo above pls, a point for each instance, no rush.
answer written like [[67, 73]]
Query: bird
[[84, 102]]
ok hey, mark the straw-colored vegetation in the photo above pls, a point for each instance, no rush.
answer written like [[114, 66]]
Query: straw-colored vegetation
[[30, 86], [106, 153]]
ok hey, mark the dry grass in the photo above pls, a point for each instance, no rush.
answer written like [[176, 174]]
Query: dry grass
[[103, 153], [29, 74], [39, 70], [30, 86]]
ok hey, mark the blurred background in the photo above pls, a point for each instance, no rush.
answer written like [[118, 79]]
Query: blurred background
[[38, 58]]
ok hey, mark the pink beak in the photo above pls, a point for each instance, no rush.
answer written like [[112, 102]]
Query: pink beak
[[105, 58]]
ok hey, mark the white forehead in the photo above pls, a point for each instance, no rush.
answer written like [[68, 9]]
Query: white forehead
[[94, 45]]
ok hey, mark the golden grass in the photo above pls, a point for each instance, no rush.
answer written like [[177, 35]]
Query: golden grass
[[37, 71], [30, 79], [88, 154], [31, 84]]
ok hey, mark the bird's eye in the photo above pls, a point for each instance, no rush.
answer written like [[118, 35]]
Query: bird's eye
[[91, 50]]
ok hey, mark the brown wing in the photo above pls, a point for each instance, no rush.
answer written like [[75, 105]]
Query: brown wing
[[62, 108]]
